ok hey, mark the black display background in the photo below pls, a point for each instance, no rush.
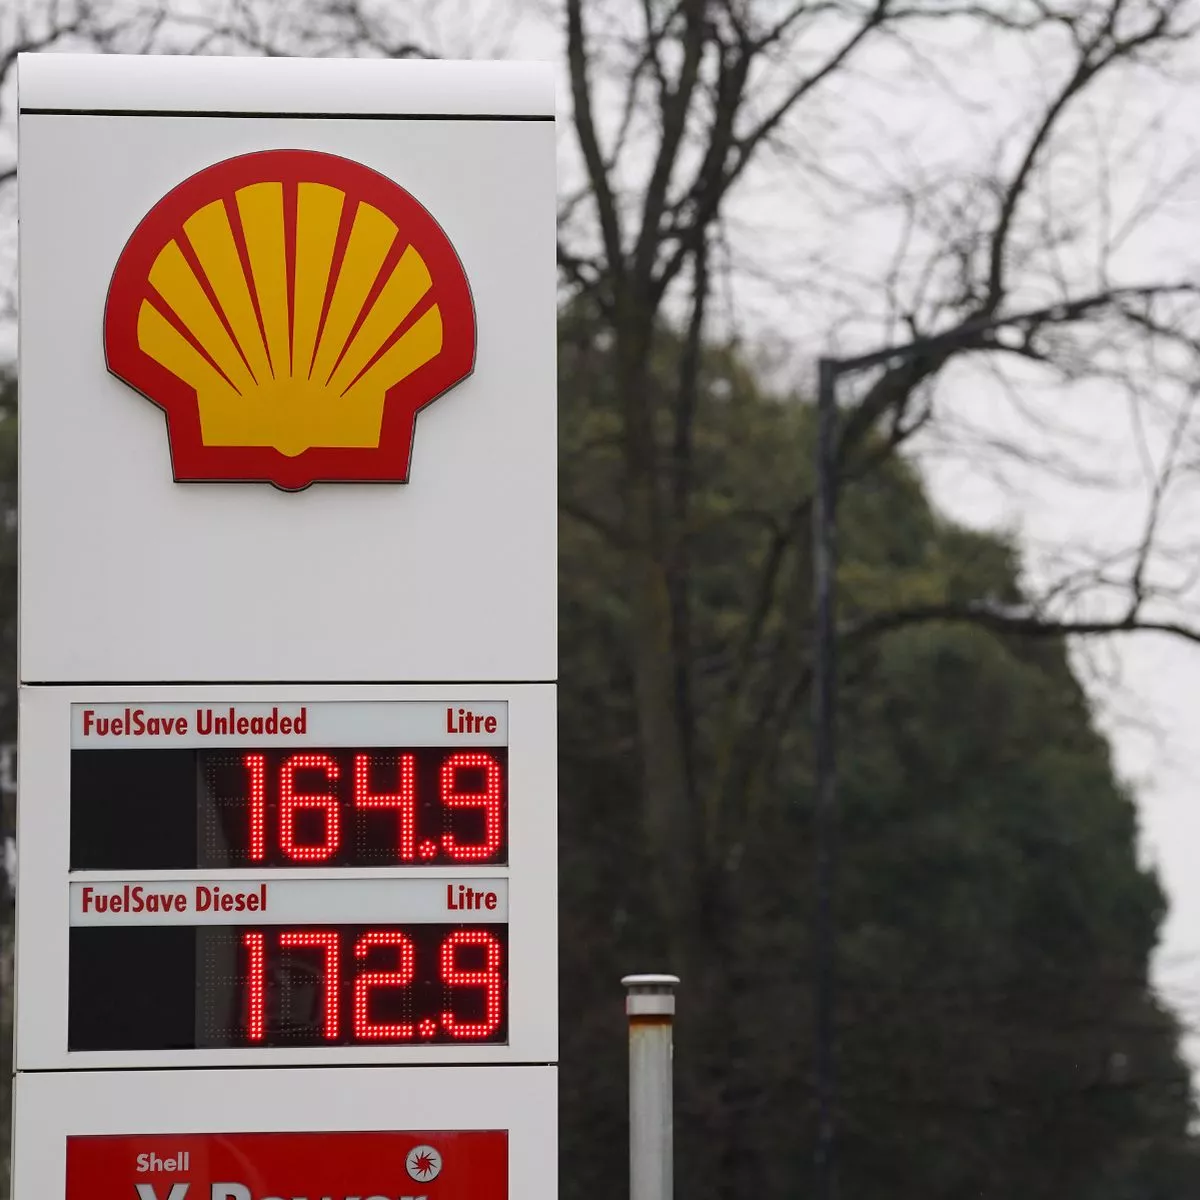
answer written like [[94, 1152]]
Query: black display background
[[133, 809], [161, 988], [183, 809], [132, 988]]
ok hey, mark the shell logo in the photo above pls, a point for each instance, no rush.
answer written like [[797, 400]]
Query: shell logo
[[291, 312]]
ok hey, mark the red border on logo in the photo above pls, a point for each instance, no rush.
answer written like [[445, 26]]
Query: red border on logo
[[191, 459]]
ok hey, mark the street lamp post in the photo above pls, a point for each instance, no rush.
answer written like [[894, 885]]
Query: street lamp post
[[828, 453]]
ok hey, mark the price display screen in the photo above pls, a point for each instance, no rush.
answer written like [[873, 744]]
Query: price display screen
[[308, 910], [177, 808], [167, 987]]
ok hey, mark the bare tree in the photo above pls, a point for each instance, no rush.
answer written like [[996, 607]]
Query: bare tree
[[673, 105]]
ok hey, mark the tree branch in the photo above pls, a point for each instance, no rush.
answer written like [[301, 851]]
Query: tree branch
[[585, 128], [675, 104], [716, 175], [1001, 620], [1096, 53]]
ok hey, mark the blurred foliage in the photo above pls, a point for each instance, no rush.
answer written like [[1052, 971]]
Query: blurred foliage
[[997, 1034]]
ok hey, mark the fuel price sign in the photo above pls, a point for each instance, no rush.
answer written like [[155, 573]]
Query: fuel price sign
[[287, 906], [294, 879]]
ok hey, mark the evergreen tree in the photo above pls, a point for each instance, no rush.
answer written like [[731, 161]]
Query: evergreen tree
[[997, 1033]]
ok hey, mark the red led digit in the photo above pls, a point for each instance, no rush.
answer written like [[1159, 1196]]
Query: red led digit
[[403, 801], [490, 800], [255, 986], [364, 1028], [256, 766], [290, 800], [490, 978], [329, 942]]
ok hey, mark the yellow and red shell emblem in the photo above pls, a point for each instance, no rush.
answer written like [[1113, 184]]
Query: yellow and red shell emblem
[[291, 312]]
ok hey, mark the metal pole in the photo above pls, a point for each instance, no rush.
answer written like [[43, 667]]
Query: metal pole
[[825, 767], [650, 1006]]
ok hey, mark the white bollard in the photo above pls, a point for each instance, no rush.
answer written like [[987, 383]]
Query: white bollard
[[650, 1006]]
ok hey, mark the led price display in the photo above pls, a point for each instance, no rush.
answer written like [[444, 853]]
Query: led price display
[[196, 987], [262, 808]]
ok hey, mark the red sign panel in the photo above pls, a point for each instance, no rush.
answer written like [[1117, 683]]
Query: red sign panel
[[435, 1165]]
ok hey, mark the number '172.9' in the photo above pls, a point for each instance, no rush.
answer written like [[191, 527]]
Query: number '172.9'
[[345, 976]]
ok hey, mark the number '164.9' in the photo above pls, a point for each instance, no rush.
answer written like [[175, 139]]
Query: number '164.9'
[[466, 780]]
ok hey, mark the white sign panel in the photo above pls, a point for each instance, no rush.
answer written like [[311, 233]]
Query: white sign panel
[[288, 630], [366, 888], [451, 1134], [352, 288], [482, 901], [347, 723]]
